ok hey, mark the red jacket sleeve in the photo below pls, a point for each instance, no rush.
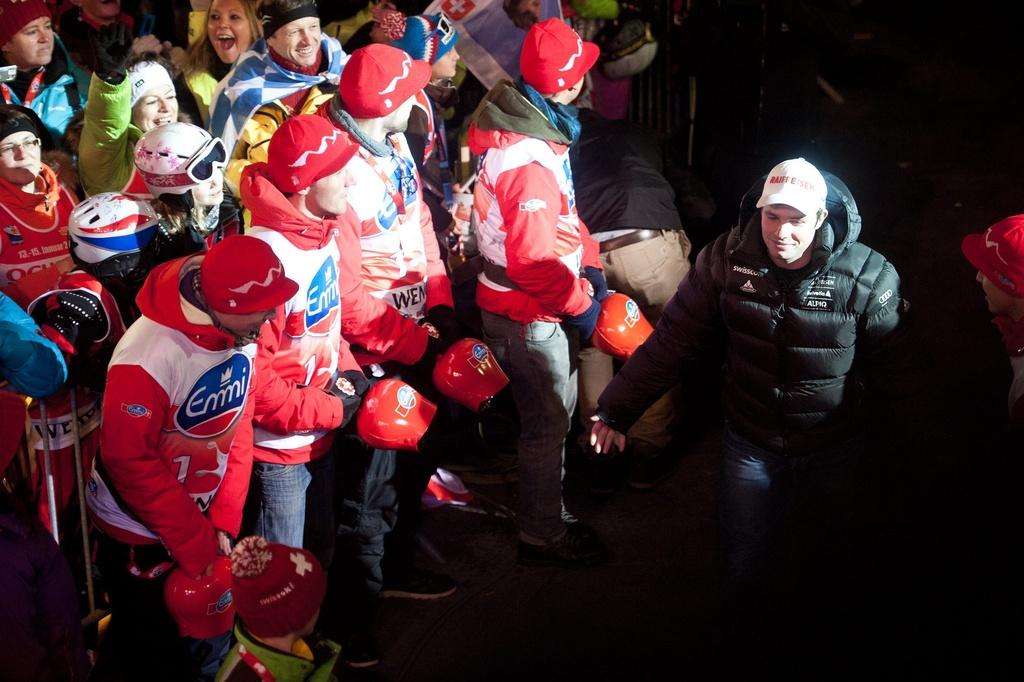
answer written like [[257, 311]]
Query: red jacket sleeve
[[439, 287], [225, 510], [530, 239], [369, 321], [282, 405], [147, 482]]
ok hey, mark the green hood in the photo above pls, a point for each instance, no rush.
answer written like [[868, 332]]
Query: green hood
[[505, 108]]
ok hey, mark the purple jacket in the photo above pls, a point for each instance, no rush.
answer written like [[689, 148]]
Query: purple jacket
[[40, 627]]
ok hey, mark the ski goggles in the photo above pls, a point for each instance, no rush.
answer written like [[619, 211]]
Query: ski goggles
[[445, 29], [211, 157]]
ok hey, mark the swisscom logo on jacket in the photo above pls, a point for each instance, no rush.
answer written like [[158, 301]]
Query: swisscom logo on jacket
[[215, 399]]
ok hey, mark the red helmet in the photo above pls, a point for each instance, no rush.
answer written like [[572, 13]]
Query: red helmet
[[468, 374], [394, 416], [621, 327], [202, 608]]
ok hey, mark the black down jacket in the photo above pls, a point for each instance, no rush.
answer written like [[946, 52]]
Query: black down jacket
[[799, 355]]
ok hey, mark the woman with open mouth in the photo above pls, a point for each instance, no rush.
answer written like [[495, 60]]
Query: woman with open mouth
[[218, 38]]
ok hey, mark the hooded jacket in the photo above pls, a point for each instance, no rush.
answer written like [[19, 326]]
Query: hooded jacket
[[801, 349], [524, 205], [178, 395], [33, 227], [301, 348]]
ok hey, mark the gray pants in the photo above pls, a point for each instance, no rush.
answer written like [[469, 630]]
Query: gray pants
[[542, 375]]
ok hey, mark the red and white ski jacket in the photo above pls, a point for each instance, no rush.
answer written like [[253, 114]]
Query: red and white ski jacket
[[33, 227], [526, 222], [178, 395], [302, 347], [402, 275]]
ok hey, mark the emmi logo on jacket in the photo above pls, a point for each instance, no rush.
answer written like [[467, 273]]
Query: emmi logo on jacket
[[215, 399], [322, 299]]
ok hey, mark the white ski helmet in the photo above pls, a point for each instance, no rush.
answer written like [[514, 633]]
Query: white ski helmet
[[113, 234], [175, 157]]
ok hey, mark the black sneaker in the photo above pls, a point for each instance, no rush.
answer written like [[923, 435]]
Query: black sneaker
[[579, 547], [649, 468], [417, 583], [359, 650]]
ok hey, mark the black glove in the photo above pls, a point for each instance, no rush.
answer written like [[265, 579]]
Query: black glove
[[597, 280], [78, 316], [585, 322], [112, 45], [349, 387], [444, 321]]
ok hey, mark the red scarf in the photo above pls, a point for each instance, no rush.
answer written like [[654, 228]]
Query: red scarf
[[35, 209], [294, 101]]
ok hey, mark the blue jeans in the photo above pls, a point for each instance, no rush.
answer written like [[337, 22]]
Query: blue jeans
[[294, 504], [758, 487], [539, 363]]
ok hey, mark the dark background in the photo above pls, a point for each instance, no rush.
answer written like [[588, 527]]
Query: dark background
[[930, 142]]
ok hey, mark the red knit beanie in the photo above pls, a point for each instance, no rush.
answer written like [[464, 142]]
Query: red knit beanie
[[277, 589], [14, 14]]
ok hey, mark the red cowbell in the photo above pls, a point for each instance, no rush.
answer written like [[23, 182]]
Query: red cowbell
[[468, 374], [202, 608], [621, 327], [394, 416]]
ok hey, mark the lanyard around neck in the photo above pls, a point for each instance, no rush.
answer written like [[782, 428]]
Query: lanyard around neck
[[33, 89]]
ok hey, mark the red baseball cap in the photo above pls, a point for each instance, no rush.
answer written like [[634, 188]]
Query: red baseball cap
[[242, 275], [999, 254], [554, 57], [378, 78], [306, 148]]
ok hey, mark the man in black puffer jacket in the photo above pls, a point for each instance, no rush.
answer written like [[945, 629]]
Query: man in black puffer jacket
[[806, 317]]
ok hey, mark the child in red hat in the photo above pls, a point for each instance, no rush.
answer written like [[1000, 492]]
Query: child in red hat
[[998, 254], [277, 592]]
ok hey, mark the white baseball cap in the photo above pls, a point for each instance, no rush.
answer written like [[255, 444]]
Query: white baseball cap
[[795, 183]]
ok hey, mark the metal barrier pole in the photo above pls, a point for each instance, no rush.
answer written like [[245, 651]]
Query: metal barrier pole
[[48, 471], [25, 451], [80, 480]]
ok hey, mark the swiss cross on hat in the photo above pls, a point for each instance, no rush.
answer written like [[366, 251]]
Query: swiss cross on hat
[[554, 57], [378, 78]]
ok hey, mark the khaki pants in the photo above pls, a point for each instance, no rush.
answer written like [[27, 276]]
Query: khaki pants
[[649, 272]]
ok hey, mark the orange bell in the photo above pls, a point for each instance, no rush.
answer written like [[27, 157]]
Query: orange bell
[[621, 327], [393, 416], [468, 374], [202, 608]]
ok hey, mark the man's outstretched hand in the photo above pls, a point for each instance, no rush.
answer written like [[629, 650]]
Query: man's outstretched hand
[[604, 439]]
